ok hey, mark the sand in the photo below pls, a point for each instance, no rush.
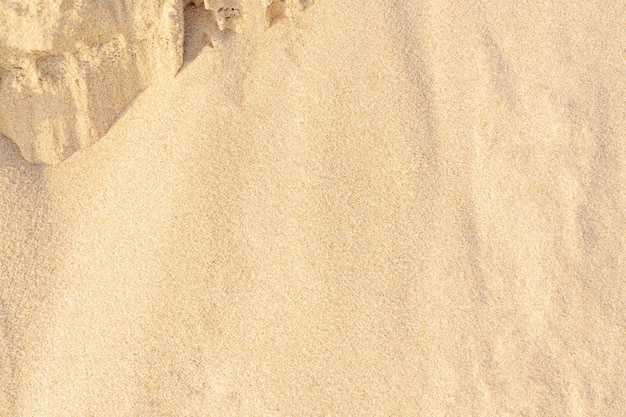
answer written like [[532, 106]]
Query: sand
[[390, 208]]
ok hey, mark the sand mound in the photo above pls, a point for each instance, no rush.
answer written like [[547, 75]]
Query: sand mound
[[68, 69]]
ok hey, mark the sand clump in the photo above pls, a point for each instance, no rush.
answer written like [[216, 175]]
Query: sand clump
[[68, 69]]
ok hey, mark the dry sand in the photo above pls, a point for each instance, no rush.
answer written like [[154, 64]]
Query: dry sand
[[392, 208]]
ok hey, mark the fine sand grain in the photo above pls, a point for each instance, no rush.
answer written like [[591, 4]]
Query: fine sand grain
[[394, 208]]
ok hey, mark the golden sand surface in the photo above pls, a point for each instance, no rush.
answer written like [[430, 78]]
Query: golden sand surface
[[373, 208]]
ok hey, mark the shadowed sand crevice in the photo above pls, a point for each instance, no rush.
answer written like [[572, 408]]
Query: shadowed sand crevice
[[406, 35], [502, 77], [200, 23]]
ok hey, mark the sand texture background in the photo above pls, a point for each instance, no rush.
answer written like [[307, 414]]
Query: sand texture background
[[369, 208]]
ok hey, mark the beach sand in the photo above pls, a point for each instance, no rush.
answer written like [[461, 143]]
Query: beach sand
[[391, 208]]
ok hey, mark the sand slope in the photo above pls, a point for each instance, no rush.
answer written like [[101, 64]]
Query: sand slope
[[371, 208]]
